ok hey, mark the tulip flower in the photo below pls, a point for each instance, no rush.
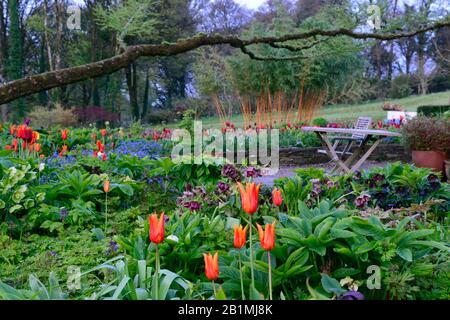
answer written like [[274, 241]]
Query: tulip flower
[[106, 186], [267, 239], [106, 189], [240, 237], [104, 157], [8, 147], [249, 197], [12, 129], [249, 200], [156, 235], [37, 147], [156, 228], [35, 136], [103, 132], [64, 134], [212, 268], [276, 197]]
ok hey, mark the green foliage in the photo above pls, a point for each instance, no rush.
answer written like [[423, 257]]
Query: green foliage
[[134, 18], [433, 111]]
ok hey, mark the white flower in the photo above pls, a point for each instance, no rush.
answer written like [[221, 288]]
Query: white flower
[[41, 166], [173, 238], [12, 171]]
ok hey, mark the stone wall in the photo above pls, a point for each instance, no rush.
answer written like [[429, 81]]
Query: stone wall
[[302, 156]]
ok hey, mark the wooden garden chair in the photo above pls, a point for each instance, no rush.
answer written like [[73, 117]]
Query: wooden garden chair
[[356, 139]]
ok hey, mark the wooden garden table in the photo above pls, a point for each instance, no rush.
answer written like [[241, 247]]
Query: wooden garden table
[[352, 163]]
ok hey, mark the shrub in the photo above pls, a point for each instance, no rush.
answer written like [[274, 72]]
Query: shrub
[[44, 117], [161, 116], [92, 114], [400, 87], [427, 134], [320, 122], [433, 111]]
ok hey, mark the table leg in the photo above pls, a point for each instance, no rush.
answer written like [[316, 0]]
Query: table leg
[[331, 152], [366, 155]]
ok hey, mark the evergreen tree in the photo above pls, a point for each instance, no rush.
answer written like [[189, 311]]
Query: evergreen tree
[[15, 55]]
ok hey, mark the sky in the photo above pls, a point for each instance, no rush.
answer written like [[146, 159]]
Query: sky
[[251, 4]]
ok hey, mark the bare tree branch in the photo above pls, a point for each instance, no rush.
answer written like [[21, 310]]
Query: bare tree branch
[[44, 81]]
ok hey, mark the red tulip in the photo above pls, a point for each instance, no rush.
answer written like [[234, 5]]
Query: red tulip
[[211, 266], [249, 197], [156, 228], [8, 147], [104, 157], [12, 129], [240, 236], [103, 132], [276, 197], [267, 237], [64, 134]]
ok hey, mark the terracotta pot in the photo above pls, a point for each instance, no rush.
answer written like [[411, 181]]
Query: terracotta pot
[[429, 159], [447, 169]]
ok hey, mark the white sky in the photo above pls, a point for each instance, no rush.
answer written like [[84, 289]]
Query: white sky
[[252, 4]]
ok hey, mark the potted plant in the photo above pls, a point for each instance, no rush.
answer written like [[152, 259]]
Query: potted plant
[[429, 141]]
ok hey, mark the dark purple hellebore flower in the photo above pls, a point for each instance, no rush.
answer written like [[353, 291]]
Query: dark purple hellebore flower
[[223, 187]]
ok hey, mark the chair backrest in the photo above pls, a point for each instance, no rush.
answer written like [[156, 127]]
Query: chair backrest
[[362, 123]]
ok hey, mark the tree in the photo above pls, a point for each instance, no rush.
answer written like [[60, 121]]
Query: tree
[[14, 65], [39, 82]]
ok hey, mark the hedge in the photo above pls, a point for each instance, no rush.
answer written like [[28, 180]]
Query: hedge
[[432, 111]]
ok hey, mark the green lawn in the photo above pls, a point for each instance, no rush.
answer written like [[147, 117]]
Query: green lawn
[[351, 112]]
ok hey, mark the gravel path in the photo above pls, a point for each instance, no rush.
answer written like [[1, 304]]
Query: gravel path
[[269, 177]]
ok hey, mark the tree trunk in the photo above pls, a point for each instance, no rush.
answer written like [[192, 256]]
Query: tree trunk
[[146, 93], [3, 57], [46, 27], [131, 76]]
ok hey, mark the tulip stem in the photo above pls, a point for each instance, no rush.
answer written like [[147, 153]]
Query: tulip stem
[[106, 212], [240, 272], [251, 253], [214, 289], [157, 273], [270, 276]]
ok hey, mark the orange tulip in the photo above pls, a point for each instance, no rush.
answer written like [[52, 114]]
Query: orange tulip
[[37, 147], [106, 186], [8, 147], [103, 132], [211, 266], [64, 134], [276, 197], [35, 136], [156, 228], [267, 237], [240, 236], [41, 156], [12, 129], [249, 197]]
